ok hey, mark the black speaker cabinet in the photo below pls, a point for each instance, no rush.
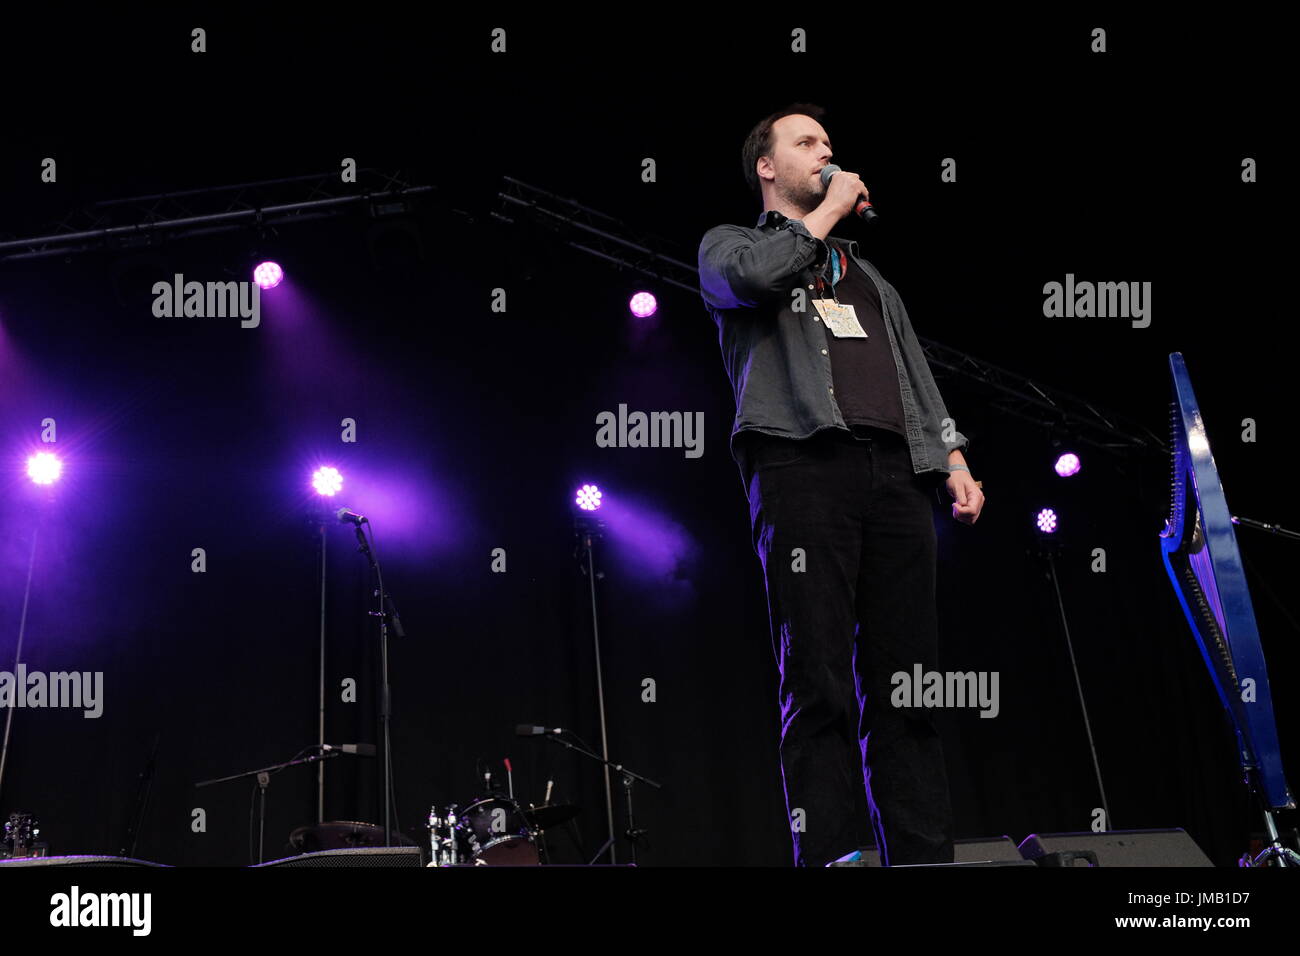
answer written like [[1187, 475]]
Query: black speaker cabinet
[[998, 851], [364, 856], [83, 860], [1114, 848]]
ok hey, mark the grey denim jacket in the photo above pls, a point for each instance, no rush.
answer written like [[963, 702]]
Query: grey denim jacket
[[776, 357]]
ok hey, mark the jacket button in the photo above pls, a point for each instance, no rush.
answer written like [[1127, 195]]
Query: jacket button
[[823, 351]]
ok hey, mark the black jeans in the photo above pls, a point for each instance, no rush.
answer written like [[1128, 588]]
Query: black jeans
[[845, 533]]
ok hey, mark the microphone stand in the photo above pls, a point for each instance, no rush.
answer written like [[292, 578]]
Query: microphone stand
[[1276, 529], [633, 834], [1048, 548], [386, 612], [320, 718], [263, 775], [18, 654], [143, 792], [589, 527]]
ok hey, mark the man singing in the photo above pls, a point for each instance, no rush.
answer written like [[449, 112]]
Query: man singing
[[841, 437]]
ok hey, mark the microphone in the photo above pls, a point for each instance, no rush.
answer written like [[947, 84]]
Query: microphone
[[351, 517], [528, 730], [361, 750], [863, 208]]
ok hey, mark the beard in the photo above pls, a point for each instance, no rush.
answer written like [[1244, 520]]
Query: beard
[[805, 194]]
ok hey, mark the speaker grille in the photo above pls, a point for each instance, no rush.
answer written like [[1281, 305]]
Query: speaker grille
[[365, 856]]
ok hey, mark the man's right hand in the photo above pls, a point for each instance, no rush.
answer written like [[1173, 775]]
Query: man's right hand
[[843, 193]]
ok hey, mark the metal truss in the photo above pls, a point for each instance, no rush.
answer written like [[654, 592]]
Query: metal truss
[[597, 234], [1058, 411], [141, 221]]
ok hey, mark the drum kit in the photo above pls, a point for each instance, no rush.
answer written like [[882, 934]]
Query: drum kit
[[493, 831]]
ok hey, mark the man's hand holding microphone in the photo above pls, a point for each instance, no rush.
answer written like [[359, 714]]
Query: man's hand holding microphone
[[845, 193]]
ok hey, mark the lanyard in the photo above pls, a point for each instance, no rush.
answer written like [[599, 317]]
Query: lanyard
[[839, 266]]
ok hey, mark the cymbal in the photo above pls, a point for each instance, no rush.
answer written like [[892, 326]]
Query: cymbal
[[341, 835], [551, 816]]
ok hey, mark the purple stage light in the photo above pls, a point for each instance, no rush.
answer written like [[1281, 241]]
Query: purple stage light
[[268, 274], [44, 468], [1046, 520], [643, 305], [1068, 464], [327, 481], [588, 498]]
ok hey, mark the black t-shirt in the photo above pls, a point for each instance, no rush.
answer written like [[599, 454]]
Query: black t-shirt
[[863, 370]]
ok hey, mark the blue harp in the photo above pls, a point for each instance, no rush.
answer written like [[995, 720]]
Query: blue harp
[[1199, 547]]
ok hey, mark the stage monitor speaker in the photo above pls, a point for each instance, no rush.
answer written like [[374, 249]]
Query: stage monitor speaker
[[83, 860], [365, 856], [997, 851], [1171, 847]]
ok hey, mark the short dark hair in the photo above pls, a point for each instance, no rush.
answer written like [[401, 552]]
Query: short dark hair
[[759, 141]]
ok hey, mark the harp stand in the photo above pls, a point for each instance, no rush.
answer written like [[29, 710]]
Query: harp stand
[[1276, 849]]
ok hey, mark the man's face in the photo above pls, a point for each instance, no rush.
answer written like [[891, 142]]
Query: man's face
[[800, 148]]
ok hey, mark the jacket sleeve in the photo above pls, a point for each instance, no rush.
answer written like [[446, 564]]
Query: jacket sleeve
[[912, 348], [737, 271]]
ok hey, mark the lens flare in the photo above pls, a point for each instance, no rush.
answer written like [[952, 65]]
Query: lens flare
[[44, 468], [327, 481]]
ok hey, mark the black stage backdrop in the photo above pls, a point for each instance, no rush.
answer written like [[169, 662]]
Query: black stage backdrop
[[473, 427]]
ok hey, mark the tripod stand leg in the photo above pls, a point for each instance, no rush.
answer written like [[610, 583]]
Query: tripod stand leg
[[1285, 855]]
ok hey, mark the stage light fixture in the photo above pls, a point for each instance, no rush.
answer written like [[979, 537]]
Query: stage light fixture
[[268, 274], [1068, 464], [588, 498], [327, 481], [44, 468], [1046, 521], [643, 305]]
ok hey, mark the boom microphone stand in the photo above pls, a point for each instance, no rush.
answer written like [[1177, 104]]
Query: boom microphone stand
[[263, 775], [18, 656], [635, 836], [387, 612], [320, 719], [587, 528]]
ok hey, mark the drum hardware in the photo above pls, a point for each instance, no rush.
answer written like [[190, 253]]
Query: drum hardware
[[491, 831], [443, 848], [21, 831]]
